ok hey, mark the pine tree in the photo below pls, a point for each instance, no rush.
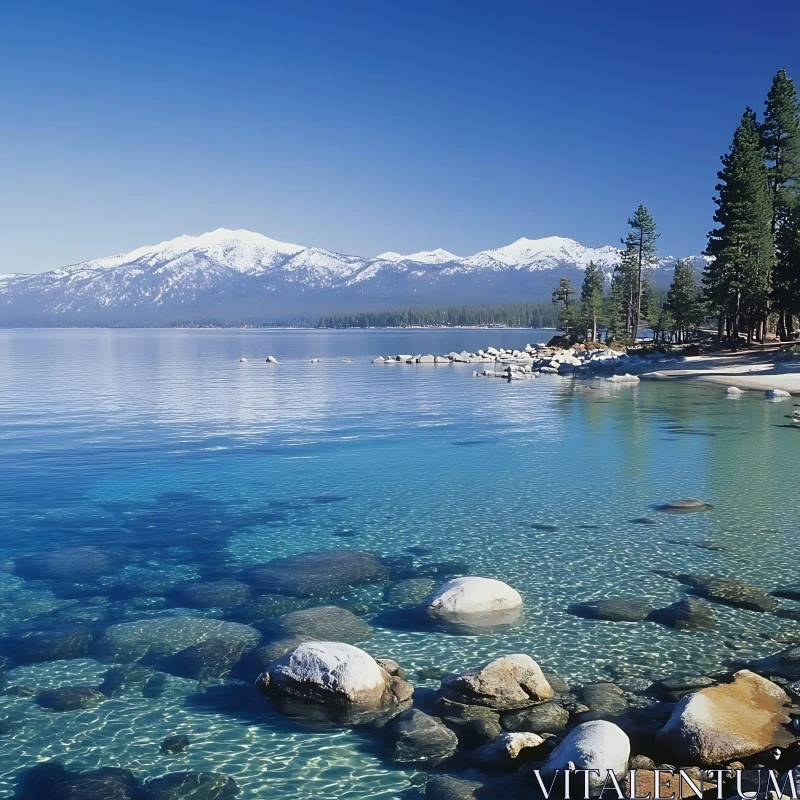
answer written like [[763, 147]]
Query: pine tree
[[736, 282], [592, 299], [684, 301], [640, 244], [562, 294], [624, 285], [780, 138]]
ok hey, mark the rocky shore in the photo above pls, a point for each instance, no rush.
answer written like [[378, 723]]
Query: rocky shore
[[777, 373], [288, 635], [528, 362]]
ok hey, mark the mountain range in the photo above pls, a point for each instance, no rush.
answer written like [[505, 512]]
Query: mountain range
[[235, 276]]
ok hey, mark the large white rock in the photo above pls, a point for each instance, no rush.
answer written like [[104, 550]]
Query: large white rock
[[333, 673], [378, 360], [426, 359], [727, 722], [508, 682], [734, 391], [598, 745], [441, 359], [272, 360], [472, 596], [626, 378], [774, 394]]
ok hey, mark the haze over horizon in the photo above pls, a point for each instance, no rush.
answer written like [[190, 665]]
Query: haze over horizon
[[365, 127]]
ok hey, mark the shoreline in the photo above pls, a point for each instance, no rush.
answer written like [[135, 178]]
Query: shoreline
[[759, 371], [770, 369]]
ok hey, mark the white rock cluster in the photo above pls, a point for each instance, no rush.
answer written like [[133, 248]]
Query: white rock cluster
[[536, 360]]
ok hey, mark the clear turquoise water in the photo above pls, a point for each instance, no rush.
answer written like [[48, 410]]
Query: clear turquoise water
[[107, 437]]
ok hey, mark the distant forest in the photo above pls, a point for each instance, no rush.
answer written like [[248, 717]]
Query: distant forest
[[514, 315]]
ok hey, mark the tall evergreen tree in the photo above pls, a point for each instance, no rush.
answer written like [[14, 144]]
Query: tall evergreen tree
[[562, 294], [780, 138], [684, 301], [592, 299], [640, 243], [624, 284], [736, 281]]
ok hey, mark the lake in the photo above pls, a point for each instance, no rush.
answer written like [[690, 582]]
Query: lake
[[172, 462]]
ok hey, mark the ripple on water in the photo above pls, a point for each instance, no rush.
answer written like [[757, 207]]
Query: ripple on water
[[159, 449]]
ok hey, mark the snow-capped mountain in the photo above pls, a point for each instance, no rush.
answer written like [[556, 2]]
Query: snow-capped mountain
[[229, 276]]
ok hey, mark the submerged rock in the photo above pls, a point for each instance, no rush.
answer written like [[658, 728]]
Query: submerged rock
[[56, 643], [65, 563], [408, 593], [473, 601], [211, 658], [176, 743], [191, 786], [333, 673], [326, 623], [70, 698], [316, 574], [613, 609], [51, 780], [446, 787], [267, 606], [726, 722], [514, 681], [686, 615], [686, 505], [791, 592], [596, 745], [785, 664], [161, 637], [118, 679], [725, 590], [417, 738], [214, 594]]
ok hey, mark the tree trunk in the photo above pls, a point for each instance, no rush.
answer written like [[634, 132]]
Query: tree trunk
[[720, 326], [638, 317]]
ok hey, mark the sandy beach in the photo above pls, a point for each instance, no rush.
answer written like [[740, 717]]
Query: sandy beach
[[758, 371]]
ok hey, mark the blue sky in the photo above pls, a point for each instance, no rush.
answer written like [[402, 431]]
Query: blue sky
[[363, 126]]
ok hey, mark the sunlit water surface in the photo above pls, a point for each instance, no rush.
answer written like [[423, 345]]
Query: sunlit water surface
[[129, 439]]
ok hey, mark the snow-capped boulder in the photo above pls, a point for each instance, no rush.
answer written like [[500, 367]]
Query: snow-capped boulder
[[335, 674], [427, 359], [272, 360], [473, 598], [596, 745], [776, 394], [734, 391], [727, 722]]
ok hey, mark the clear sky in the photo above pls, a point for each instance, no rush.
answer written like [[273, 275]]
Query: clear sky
[[363, 126]]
